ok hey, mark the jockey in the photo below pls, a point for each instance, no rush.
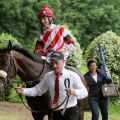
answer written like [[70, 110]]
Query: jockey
[[53, 37]]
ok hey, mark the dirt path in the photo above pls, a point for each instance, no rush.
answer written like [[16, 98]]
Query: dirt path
[[15, 108]]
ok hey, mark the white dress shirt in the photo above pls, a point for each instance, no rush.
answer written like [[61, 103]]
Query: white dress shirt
[[48, 82], [95, 77]]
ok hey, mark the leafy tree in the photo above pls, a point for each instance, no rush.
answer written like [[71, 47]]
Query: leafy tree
[[18, 19], [111, 47], [90, 18], [87, 19]]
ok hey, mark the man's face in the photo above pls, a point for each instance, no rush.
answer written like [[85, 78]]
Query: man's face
[[57, 65], [45, 22]]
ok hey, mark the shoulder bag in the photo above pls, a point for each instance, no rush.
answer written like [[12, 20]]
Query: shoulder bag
[[109, 90]]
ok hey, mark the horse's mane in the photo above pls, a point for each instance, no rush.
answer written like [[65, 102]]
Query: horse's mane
[[25, 52]]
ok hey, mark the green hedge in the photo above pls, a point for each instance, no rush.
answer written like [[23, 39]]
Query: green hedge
[[5, 37]]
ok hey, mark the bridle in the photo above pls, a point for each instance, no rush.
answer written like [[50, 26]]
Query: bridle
[[13, 62], [66, 83], [6, 80]]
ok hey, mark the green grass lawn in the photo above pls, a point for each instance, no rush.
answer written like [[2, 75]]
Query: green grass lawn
[[111, 116], [113, 110]]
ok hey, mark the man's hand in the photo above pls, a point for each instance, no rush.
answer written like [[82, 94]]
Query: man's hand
[[70, 91], [19, 90]]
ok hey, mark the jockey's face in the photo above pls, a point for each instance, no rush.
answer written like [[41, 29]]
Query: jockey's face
[[92, 67], [57, 65], [45, 22]]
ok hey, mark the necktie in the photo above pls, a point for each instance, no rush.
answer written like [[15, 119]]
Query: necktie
[[56, 88]]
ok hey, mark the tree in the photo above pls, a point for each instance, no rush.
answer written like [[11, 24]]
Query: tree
[[86, 19], [18, 18]]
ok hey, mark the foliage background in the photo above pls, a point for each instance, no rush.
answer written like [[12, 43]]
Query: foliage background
[[87, 19]]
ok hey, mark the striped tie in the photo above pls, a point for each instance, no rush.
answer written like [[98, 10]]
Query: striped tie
[[56, 88]]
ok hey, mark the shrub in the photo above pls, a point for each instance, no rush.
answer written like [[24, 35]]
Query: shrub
[[5, 37], [75, 57]]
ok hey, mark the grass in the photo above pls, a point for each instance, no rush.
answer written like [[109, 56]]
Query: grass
[[111, 116], [113, 109]]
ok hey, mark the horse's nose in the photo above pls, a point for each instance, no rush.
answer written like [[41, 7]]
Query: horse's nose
[[3, 74]]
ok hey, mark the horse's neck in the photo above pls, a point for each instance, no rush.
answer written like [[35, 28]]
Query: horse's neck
[[26, 67]]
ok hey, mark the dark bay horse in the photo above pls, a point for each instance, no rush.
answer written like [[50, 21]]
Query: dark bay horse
[[17, 60]]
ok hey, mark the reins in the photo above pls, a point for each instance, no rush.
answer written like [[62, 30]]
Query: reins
[[67, 85]]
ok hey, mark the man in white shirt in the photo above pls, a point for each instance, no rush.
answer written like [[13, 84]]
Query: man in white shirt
[[58, 90]]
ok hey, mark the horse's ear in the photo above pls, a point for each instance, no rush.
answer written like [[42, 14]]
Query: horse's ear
[[9, 47]]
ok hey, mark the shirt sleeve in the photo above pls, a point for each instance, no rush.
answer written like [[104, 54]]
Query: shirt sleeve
[[80, 90], [37, 90], [39, 45], [69, 42], [105, 76]]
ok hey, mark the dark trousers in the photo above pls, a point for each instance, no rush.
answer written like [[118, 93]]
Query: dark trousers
[[70, 114], [96, 104]]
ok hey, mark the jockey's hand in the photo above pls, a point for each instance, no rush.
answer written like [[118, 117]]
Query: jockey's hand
[[41, 52], [44, 51], [38, 52], [19, 90]]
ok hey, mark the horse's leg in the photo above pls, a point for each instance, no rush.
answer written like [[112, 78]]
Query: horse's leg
[[81, 109], [50, 115], [3, 96], [38, 116]]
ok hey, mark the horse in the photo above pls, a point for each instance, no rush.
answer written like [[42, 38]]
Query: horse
[[16, 60]]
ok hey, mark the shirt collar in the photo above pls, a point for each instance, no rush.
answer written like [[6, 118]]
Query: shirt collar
[[63, 71]]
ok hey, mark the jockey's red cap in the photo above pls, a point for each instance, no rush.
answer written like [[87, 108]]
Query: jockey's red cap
[[45, 12]]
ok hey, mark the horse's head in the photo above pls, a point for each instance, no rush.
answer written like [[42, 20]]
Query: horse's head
[[5, 62], [17, 60]]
